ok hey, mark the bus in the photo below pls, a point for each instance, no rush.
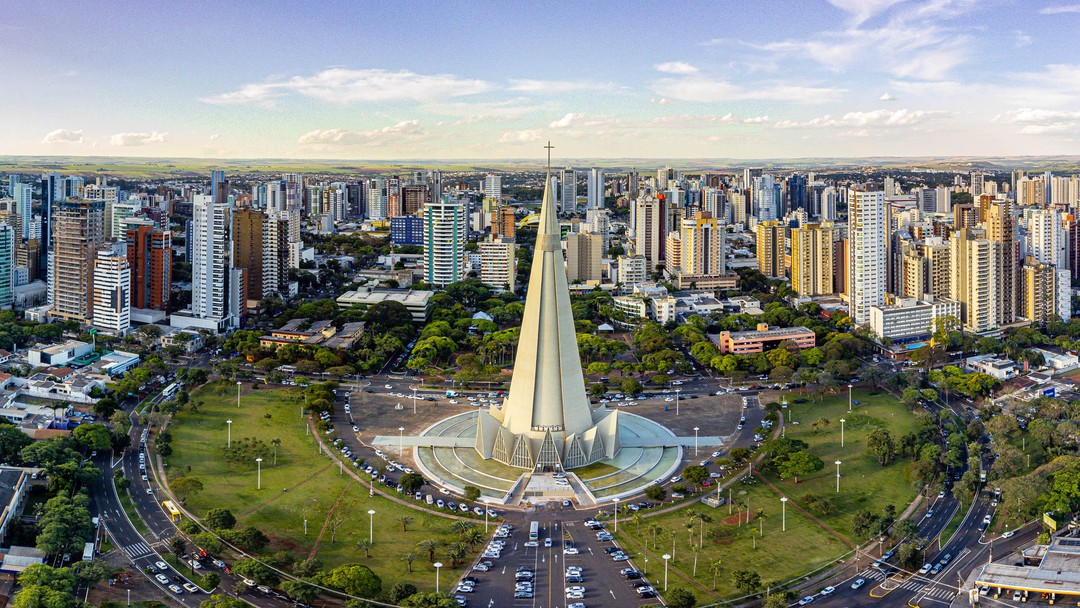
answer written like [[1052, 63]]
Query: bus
[[88, 552], [174, 513], [170, 391], [534, 530]]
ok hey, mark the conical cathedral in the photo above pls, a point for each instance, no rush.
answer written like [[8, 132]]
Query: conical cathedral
[[546, 422]]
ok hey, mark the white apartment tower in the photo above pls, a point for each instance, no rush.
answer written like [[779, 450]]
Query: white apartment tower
[[866, 253], [446, 229], [111, 298], [497, 267], [493, 186], [595, 189], [214, 282]]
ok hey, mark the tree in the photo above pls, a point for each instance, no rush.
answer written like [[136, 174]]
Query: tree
[[881, 445], [746, 581], [212, 579], [680, 598], [92, 436], [404, 520], [472, 493], [776, 600], [219, 600], [800, 463], [400, 591], [411, 482], [209, 542], [300, 591], [696, 474], [365, 545], [255, 571], [64, 522], [12, 442], [429, 545], [178, 548], [655, 492], [219, 519], [630, 386], [186, 487], [354, 579], [409, 558], [307, 568]]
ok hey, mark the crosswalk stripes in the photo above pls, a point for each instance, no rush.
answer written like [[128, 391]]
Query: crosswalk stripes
[[138, 549]]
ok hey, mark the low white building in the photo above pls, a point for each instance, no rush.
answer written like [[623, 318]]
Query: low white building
[[910, 320], [992, 365], [1059, 361], [58, 354]]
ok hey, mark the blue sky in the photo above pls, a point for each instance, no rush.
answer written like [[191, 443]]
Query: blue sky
[[490, 79]]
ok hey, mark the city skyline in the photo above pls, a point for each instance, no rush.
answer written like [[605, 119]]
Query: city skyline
[[843, 78]]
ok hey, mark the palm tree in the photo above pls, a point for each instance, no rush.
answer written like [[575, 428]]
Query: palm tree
[[637, 522], [457, 553], [275, 442], [365, 546], [461, 526], [404, 520], [703, 518], [655, 529], [409, 557], [696, 550], [473, 537], [429, 545], [715, 571]]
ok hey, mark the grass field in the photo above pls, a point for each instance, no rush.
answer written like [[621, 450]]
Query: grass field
[[761, 545], [302, 484], [864, 484]]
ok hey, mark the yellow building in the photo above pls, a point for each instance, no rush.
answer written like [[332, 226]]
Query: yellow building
[[771, 244], [812, 259]]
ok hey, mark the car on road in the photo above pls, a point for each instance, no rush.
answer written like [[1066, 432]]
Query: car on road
[[176, 589], [523, 595], [194, 563], [149, 490], [859, 582], [929, 514], [162, 566], [806, 600], [191, 588], [926, 568], [937, 568], [531, 543], [1008, 534], [571, 551], [828, 590], [941, 494], [161, 578]]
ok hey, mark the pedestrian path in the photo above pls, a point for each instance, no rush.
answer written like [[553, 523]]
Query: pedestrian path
[[137, 550]]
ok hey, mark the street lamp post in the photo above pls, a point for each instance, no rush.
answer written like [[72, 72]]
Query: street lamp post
[[371, 526], [414, 400], [401, 439], [437, 566], [646, 571], [696, 429], [616, 515], [783, 514], [849, 398], [229, 422], [487, 508], [837, 476], [258, 463], [677, 391], [238, 394], [842, 421], [666, 558]]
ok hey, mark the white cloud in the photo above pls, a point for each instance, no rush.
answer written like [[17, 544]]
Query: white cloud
[[326, 138], [137, 139], [523, 136], [340, 85], [1060, 9], [663, 101], [215, 136], [675, 67], [63, 136], [755, 120], [1042, 122], [874, 118], [706, 90], [1021, 39], [861, 10], [555, 86], [886, 97], [566, 121], [690, 121]]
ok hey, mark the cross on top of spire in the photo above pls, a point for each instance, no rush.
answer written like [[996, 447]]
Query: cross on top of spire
[[549, 148]]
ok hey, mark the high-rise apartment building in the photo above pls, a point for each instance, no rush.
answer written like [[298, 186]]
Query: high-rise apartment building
[[584, 253], [278, 251], [445, 234], [149, 253], [497, 264], [1047, 240], [23, 195], [703, 245], [216, 285], [78, 232], [974, 280], [649, 230], [568, 195], [1001, 228], [595, 191], [414, 197], [493, 186], [7, 266], [866, 253], [771, 243], [111, 293], [1038, 290], [812, 259], [503, 222], [248, 252]]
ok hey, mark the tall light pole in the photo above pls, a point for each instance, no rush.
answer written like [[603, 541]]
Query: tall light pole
[[616, 515], [849, 398], [229, 422], [837, 476], [842, 421], [666, 558], [258, 463], [783, 513], [487, 507], [414, 399], [677, 390], [237, 394], [401, 439], [371, 526], [696, 429], [437, 566]]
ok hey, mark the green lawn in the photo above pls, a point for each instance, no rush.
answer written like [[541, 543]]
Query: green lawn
[[303, 483], [863, 483], [776, 555]]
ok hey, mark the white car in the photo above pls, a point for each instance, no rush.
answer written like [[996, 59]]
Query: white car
[[571, 551], [1008, 534], [575, 589], [531, 543], [828, 590], [162, 566], [575, 595], [190, 588]]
